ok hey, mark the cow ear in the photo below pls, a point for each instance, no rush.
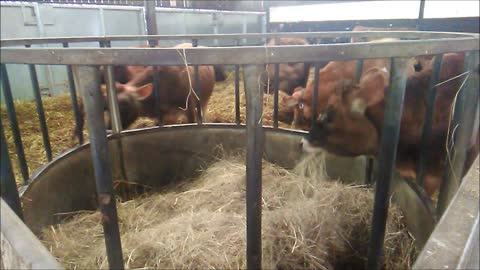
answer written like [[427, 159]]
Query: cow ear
[[144, 91], [372, 86], [289, 101]]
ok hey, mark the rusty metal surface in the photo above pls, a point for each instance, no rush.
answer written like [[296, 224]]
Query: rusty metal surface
[[449, 242], [87, 80], [255, 146]]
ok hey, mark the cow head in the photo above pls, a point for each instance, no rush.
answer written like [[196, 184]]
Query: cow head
[[302, 111], [344, 127], [129, 103], [175, 116]]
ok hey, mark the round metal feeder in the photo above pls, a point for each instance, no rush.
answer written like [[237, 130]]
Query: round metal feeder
[[157, 157]]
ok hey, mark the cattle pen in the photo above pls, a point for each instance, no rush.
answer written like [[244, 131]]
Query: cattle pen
[[82, 178]]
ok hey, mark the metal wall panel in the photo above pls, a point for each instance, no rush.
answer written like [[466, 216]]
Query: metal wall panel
[[21, 20]]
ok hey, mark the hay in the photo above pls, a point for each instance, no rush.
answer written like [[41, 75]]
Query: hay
[[60, 122], [221, 108], [308, 223]]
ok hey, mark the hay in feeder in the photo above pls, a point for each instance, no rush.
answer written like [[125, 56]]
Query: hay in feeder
[[308, 223]]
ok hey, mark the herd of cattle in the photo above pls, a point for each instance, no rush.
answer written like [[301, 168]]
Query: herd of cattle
[[350, 114]]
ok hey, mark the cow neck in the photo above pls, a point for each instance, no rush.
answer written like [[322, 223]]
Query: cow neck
[[413, 106]]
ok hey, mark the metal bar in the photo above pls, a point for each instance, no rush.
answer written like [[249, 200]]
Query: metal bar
[[386, 159], [316, 82], [331, 34], [427, 125], [255, 146], [40, 111], [276, 81], [420, 15], [359, 70], [112, 96], [369, 171], [463, 119], [41, 33], [12, 117], [196, 86], [156, 92], [87, 79], [370, 161], [113, 102], [8, 187], [151, 20], [223, 55], [237, 90], [76, 108]]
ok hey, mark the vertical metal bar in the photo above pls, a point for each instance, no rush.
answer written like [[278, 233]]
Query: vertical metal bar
[[276, 81], [420, 15], [196, 86], [112, 94], [463, 120], [101, 15], [156, 92], [386, 159], [215, 27], [427, 125], [113, 102], [8, 186], [151, 21], [12, 117], [267, 18], [255, 146], [87, 79], [369, 165], [316, 82], [359, 70], [76, 109], [237, 89], [40, 111], [41, 33], [244, 28]]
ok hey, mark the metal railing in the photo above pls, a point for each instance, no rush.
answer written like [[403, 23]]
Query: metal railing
[[83, 68]]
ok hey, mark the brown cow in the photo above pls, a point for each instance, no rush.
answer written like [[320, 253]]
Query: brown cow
[[351, 123], [291, 75], [137, 99], [124, 74], [422, 61], [301, 102]]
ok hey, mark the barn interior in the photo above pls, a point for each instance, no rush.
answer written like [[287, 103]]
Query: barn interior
[[190, 186]]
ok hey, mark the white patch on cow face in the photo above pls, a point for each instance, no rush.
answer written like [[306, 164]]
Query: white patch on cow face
[[309, 148], [384, 69], [358, 106]]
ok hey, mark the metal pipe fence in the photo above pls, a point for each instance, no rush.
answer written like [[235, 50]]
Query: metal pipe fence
[[83, 67]]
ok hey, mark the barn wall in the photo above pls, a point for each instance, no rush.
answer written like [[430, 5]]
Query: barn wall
[[20, 20]]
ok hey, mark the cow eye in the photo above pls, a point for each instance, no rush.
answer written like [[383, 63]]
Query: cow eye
[[300, 105]]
